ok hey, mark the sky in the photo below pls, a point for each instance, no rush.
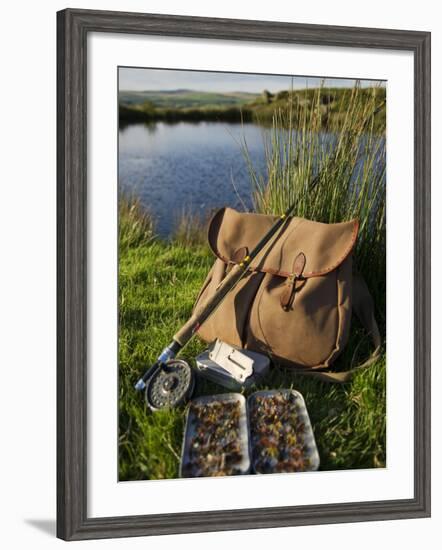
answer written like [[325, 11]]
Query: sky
[[140, 79]]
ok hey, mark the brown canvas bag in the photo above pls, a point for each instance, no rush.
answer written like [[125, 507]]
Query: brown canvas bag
[[295, 301]]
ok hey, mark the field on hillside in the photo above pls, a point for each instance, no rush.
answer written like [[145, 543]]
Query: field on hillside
[[181, 99]]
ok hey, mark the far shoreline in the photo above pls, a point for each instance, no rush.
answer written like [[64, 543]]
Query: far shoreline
[[329, 102]]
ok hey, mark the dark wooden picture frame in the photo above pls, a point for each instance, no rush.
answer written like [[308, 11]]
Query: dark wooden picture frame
[[73, 27]]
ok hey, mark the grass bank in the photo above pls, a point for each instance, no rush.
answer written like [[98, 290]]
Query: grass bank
[[259, 109], [158, 283]]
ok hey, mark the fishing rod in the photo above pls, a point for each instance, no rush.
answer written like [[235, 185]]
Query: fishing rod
[[181, 383]]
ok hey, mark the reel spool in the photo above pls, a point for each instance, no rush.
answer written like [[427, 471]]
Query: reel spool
[[170, 385]]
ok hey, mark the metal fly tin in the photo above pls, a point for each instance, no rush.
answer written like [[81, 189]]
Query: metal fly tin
[[187, 466], [270, 464]]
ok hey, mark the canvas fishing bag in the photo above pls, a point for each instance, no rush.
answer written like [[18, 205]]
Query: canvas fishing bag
[[295, 302]]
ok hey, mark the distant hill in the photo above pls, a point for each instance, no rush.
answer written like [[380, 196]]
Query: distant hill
[[182, 99], [191, 105]]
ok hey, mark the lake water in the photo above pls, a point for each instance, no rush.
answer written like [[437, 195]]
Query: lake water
[[193, 167], [185, 166]]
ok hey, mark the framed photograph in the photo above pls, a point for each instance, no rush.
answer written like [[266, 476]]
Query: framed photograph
[[243, 274]]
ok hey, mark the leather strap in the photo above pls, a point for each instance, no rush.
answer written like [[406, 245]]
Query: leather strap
[[293, 283], [363, 306]]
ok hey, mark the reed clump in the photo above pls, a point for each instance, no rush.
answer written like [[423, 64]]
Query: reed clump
[[190, 228], [333, 171], [135, 224]]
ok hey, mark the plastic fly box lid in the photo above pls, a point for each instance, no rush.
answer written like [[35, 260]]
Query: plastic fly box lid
[[285, 437], [216, 446], [232, 367]]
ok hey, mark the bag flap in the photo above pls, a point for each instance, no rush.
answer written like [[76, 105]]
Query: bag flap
[[325, 246]]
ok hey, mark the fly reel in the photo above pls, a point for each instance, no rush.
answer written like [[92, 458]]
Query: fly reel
[[170, 385]]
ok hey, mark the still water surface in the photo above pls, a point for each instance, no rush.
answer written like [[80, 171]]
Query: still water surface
[[185, 166]]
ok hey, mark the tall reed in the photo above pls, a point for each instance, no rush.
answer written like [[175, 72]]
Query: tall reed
[[333, 168], [135, 224], [190, 229]]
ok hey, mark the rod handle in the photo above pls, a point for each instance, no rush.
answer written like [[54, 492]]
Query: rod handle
[[204, 310]]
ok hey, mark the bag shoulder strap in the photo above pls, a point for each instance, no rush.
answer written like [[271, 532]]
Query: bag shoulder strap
[[363, 306]]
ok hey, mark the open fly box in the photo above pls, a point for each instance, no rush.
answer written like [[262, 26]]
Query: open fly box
[[216, 441], [281, 435]]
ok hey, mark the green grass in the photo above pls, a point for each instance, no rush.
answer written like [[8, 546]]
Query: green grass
[[158, 283]]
